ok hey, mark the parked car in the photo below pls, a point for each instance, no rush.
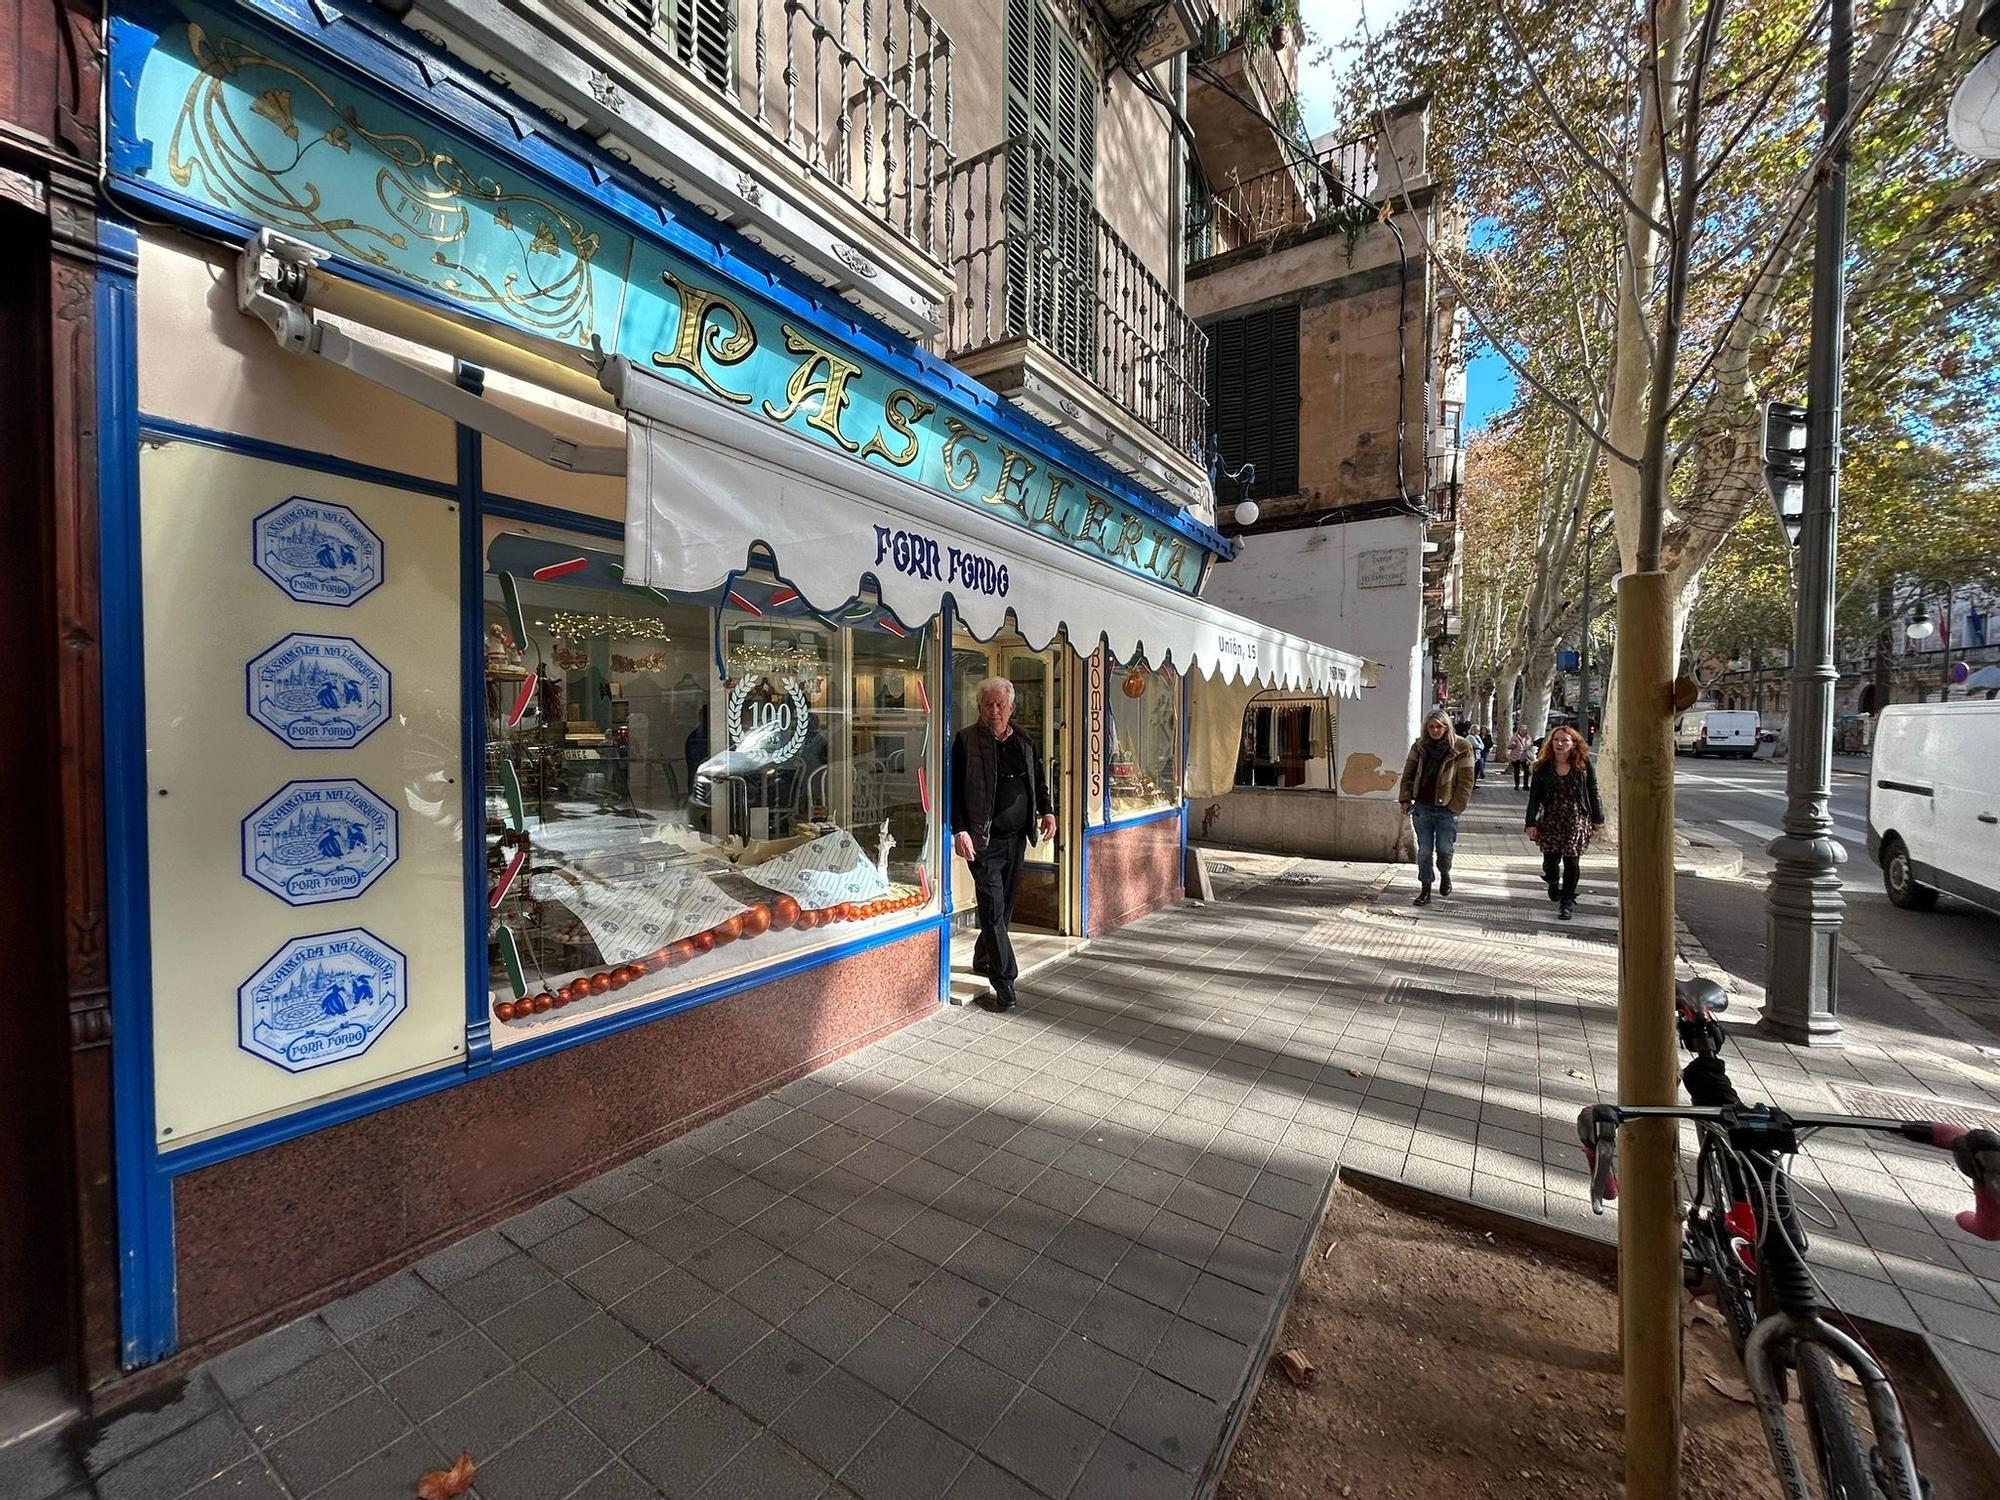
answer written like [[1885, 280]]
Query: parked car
[[1717, 731], [1933, 803]]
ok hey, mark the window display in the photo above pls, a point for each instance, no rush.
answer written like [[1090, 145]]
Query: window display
[[1143, 738], [1287, 742], [680, 787]]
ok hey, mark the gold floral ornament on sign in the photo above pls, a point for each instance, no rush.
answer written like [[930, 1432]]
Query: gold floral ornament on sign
[[263, 139]]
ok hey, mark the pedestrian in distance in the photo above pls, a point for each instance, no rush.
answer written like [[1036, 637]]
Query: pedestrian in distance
[[999, 804], [1482, 747], [1521, 756], [1564, 813], [1436, 784]]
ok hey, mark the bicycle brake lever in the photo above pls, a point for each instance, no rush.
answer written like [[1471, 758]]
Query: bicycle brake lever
[[1597, 1129], [1977, 1153]]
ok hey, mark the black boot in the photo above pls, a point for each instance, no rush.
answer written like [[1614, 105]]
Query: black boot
[[1423, 896], [1444, 883], [1003, 994], [1563, 912]]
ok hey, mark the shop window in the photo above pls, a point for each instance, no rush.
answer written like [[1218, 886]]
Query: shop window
[[1287, 742], [682, 787], [1143, 747]]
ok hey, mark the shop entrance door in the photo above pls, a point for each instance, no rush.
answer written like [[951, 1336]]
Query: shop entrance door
[[1045, 683]]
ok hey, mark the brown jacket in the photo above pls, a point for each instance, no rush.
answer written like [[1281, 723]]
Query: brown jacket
[[1454, 788]]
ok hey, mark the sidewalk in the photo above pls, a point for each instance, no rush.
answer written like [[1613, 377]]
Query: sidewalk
[[1040, 1254]]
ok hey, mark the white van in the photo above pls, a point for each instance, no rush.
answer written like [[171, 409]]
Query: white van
[[1934, 803], [1717, 731]]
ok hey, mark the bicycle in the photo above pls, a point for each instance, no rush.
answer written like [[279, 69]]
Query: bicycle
[[1742, 1237]]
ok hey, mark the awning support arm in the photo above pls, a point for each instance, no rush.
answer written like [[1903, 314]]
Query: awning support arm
[[270, 287]]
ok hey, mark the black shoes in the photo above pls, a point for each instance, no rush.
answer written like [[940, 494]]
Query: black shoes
[[1563, 912], [1002, 997], [1555, 891], [1423, 897], [1444, 883]]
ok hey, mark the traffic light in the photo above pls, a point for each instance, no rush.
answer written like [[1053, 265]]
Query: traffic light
[[1785, 464]]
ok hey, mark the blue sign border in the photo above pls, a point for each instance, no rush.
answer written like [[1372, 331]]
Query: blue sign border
[[395, 838], [257, 552], [402, 1006], [250, 690]]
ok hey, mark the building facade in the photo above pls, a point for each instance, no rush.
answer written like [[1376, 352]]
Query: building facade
[[562, 470], [1337, 384]]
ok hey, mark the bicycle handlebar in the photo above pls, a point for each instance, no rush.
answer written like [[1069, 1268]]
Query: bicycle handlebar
[[1977, 1153]]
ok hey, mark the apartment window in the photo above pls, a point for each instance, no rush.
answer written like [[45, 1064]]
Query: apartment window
[[1050, 116], [701, 34], [1253, 394]]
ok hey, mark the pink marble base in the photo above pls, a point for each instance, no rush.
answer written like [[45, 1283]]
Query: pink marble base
[[1133, 871], [272, 1235]]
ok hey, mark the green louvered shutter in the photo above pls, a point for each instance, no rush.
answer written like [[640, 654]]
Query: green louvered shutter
[[1050, 115]]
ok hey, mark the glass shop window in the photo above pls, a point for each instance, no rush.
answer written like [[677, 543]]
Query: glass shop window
[[1287, 742], [680, 788], [1143, 742]]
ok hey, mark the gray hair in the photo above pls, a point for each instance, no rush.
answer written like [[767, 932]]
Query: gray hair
[[1001, 685]]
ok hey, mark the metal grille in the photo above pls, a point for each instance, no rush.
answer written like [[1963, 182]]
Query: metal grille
[[1889, 1106], [1296, 196], [858, 90]]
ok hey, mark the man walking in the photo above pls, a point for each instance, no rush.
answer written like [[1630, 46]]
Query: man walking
[[999, 806]]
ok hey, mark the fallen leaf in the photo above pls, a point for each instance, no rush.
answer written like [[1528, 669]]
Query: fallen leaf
[[1695, 1311], [1298, 1369], [1578, 1073], [447, 1484], [1356, 1073], [1731, 1387]]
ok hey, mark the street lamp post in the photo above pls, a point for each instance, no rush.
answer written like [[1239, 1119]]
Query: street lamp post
[[1804, 906], [1583, 696]]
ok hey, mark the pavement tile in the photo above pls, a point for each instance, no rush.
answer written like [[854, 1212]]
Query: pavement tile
[[906, 1459], [688, 1446], [728, 1260], [1043, 1442], [1203, 1360], [250, 1367], [375, 1305], [782, 1287], [663, 1304], [409, 1336], [629, 1400], [834, 1419], [964, 1396], [613, 1277], [538, 1319], [1121, 1470], [498, 1287], [575, 1361], [710, 1341], [1086, 1248], [990, 1261], [324, 1449], [834, 1321], [980, 1480], [766, 1470], [177, 1463], [389, 1471], [1170, 1422], [635, 1213], [1086, 1377], [486, 1420], [1120, 1321], [834, 1247], [895, 1356], [428, 1385], [290, 1401], [573, 1248], [886, 1275], [551, 1459], [946, 1304], [1012, 1338]]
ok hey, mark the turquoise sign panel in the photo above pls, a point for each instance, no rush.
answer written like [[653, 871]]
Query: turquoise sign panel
[[228, 120]]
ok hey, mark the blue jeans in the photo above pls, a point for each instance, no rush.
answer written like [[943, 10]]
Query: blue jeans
[[1437, 830]]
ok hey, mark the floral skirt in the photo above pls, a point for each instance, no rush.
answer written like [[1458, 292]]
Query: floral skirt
[[1564, 827]]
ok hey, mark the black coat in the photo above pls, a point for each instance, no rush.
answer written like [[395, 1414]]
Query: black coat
[[1542, 786], [975, 757]]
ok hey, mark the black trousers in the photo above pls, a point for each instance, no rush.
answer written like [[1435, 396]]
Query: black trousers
[[1567, 866], [996, 878], [1521, 769]]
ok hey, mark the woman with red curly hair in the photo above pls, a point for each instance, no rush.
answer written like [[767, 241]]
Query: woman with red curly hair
[[1564, 813]]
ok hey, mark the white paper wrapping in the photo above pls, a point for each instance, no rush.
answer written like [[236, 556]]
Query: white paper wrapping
[[829, 870], [630, 918], [705, 481]]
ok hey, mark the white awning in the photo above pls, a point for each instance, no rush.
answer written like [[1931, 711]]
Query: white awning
[[704, 482]]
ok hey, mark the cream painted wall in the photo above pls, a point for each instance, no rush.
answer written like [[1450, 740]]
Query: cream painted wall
[[203, 362], [1308, 582]]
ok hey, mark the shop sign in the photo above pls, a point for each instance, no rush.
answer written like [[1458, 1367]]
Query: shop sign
[[318, 692], [317, 553], [322, 998], [1382, 568], [224, 118], [318, 841]]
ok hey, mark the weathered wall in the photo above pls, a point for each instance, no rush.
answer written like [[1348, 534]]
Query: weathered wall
[[1316, 825], [277, 1232]]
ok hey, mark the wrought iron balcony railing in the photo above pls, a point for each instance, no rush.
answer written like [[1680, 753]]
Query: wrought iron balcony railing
[[857, 90], [1035, 260], [1301, 195]]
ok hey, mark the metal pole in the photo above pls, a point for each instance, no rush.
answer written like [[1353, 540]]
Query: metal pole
[[1805, 904]]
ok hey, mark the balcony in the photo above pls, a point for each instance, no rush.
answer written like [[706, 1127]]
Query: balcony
[[819, 128], [1059, 314], [1243, 89], [1294, 199]]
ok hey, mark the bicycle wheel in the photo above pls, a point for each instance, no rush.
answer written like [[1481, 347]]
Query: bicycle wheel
[[1838, 1448]]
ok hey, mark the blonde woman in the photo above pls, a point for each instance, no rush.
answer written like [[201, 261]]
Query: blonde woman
[[1564, 813], [1437, 783]]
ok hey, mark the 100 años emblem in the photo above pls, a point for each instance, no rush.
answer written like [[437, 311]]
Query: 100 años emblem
[[318, 692], [319, 841], [317, 553], [322, 998]]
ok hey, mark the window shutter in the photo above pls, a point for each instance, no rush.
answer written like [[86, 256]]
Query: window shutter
[[1049, 113], [1253, 396]]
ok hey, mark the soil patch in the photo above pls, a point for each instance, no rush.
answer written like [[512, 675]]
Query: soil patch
[[1452, 1363]]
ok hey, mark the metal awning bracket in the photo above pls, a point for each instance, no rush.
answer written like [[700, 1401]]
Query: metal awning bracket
[[271, 277]]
